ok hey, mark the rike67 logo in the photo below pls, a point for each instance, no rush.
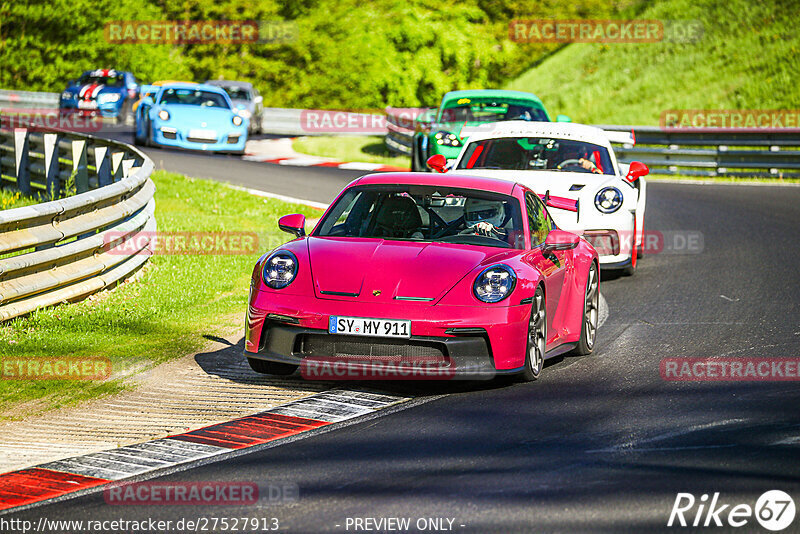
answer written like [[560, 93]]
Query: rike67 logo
[[774, 510]]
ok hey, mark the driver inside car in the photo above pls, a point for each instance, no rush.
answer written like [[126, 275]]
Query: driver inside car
[[485, 218], [583, 159]]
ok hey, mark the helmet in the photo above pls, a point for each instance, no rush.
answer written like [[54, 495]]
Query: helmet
[[477, 210]]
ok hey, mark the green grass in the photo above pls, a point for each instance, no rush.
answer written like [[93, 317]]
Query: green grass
[[11, 198], [747, 58], [368, 149], [164, 312]]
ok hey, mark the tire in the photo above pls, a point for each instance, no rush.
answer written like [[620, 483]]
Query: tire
[[415, 157], [124, 116], [591, 313], [148, 134], [138, 141], [631, 268], [271, 368], [537, 339]]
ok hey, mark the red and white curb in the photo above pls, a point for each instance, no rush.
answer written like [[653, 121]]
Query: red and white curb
[[51, 480], [311, 161]]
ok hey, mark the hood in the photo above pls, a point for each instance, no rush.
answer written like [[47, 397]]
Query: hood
[[194, 116], [395, 268]]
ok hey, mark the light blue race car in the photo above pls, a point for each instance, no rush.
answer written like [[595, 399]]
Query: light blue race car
[[192, 116]]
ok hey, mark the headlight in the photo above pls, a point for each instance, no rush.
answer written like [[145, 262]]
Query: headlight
[[108, 98], [280, 269], [66, 95], [608, 200], [495, 283], [237, 120], [244, 113], [446, 139], [163, 115]]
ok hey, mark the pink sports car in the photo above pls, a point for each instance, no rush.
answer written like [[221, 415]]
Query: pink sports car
[[468, 272]]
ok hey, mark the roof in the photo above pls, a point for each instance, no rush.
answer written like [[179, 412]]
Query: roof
[[230, 83], [561, 130], [479, 183], [192, 85], [491, 93]]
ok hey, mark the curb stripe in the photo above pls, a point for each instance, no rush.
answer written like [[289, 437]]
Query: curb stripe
[[55, 479], [312, 161], [37, 484]]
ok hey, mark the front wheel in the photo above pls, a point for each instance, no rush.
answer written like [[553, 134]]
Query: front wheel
[[271, 368], [591, 313], [537, 336]]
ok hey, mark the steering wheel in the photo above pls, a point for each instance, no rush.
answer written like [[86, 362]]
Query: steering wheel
[[569, 162]]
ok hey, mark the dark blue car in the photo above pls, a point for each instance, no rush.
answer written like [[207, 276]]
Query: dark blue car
[[104, 92]]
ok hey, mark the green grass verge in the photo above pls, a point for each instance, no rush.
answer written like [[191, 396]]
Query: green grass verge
[[369, 149], [11, 198], [747, 58], [164, 312]]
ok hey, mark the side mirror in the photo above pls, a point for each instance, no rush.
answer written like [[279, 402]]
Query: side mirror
[[563, 118], [258, 99], [437, 162], [636, 171], [293, 224], [560, 240]]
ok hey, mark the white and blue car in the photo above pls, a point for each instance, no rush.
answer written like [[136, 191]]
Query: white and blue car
[[191, 116]]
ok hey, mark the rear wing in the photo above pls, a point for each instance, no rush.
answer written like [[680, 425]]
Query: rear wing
[[623, 138]]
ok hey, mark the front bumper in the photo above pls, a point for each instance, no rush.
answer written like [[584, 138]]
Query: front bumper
[[167, 135], [478, 342], [110, 110]]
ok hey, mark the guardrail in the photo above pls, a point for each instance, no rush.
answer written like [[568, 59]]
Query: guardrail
[[692, 152], [64, 250], [28, 99]]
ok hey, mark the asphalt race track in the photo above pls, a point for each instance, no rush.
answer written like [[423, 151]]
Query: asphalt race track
[[600, 443]]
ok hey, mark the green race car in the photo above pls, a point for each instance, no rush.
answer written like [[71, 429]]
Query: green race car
[[439, 131]]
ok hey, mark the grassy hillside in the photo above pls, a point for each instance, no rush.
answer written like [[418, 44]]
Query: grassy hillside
[[747, 58]]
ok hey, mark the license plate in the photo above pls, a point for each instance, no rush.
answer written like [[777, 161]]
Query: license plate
[[87, 104], [362, 326], [209, 135]]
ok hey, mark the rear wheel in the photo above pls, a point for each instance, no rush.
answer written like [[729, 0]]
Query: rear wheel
[[271, 368], [537, 336], [591, 313]]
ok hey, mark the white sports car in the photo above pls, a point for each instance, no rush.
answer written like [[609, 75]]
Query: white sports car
[[568, 160]]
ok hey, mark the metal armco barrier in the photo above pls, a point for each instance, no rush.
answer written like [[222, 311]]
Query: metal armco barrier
[[691, 152], [66, 249], [28, 99]]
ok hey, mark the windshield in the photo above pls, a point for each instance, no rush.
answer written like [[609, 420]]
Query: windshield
[[237, 93], [426, 213], [476, 110], [536, 153], [193, 97], [111, 81]]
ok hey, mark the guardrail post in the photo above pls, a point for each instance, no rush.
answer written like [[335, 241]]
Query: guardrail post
[[116, 166], [21, 170], [103, 165], [51, 165], [79, 167]]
